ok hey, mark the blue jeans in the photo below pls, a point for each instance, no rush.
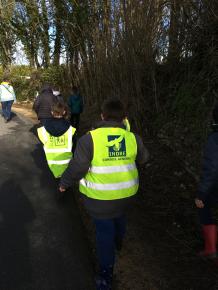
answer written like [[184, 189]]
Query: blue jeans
[[6, 109], [107, 231]]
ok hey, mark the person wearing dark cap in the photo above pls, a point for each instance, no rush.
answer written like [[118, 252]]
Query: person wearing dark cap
[[57, 137], [75, 103], [207, 194], [57, 93], [43, 103]]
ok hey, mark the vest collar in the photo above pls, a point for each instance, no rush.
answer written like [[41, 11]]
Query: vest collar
[[109, 124]]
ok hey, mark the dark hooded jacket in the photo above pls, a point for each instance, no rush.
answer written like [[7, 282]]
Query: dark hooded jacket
[[43, 103], [209, 180], [79, 166], [75, 103], [56, 127]]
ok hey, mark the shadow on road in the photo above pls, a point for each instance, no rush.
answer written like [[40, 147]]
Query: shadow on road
[[46, 178], [13, 114], [15, 212], [34, 128], [67, 228]]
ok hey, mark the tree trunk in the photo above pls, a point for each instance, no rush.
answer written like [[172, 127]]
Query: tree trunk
[[174, 51], [45, 35]]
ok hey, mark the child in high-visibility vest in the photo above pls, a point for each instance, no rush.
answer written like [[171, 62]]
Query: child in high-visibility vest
[[105, 163], [57, 138]]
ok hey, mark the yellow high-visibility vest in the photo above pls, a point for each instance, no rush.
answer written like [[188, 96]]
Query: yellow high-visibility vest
[[58, 150], [113, 173], [127, 124]]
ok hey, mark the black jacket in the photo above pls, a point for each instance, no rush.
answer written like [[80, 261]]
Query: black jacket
[[79, 166], [209, 179], [43, 103], [56, 127]]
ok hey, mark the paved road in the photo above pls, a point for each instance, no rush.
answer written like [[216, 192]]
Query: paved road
[[42, 243]]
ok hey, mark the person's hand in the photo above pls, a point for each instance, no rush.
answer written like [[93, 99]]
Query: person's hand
[[62, 189], [199, 203]]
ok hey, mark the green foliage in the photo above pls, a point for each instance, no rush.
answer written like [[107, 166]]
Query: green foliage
[[53, 75], [188, 104], [28, 81]]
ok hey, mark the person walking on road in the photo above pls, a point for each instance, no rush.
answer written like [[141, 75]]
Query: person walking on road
[[57, 138], [207, 194], [57, 94], [75, 103], [43, 103], [7, 97], [105, 163]]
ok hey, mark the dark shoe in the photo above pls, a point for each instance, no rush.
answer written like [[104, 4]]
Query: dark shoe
[[204, 255], [101, 284], [104, 280]]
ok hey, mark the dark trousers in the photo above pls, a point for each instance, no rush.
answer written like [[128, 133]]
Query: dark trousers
[[74, 120], [107, 231], [206, 214], [6, 109]]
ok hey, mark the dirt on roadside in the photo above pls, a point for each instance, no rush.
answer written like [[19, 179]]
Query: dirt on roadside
[[26, 110], [164, 233]]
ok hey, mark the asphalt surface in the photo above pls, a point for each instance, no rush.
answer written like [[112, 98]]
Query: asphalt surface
[[43, 243]]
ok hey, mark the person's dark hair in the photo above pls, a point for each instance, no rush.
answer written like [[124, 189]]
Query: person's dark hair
[[113, 110], [55, 88], [215, 114], [75, 89], [46, 87], [6, 79], [59, 109]]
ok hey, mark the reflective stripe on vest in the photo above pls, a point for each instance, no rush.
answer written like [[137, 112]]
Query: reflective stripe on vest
[[112, 169], [59, 162], [113, 173], [109, 186], [57, 149]]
